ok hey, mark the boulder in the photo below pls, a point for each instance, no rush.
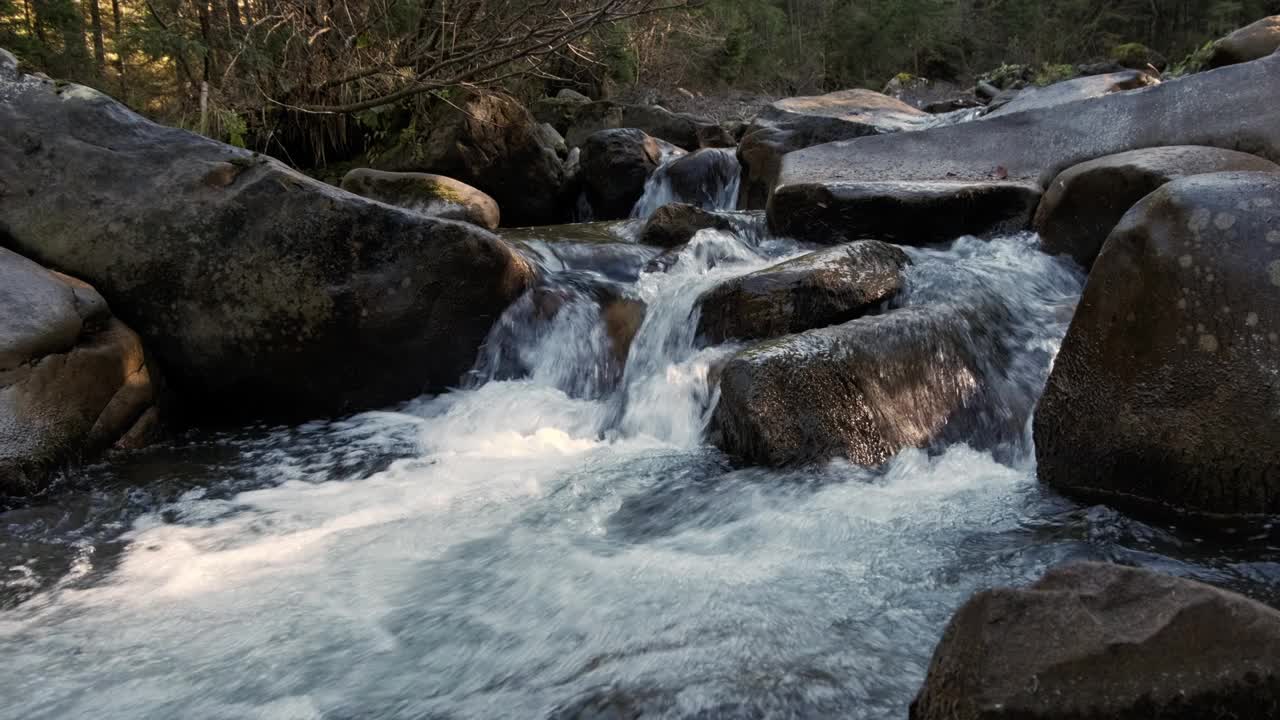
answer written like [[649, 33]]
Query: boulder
[[800, 122], [707, 179], [863, 390], [673, 225], [905, 212], [1085, 202], [494, 144], [8, 65], [823, 188], [433, 195], [571, 95], [826, 287], [1069, 91], [1252, 42], [259, 292], [1092, 640], [1164, 397], [615, 165], [73, 379], [581, 121]]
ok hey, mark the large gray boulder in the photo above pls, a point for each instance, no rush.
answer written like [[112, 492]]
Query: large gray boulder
[[863, 390], [73, 379], [800, 122], [823, 288], [1092, 640], [492, 143], [823, 189], [1251, 42], [1164, 395], [434, 195], [258, 291], [1068, 91], [1083, 204]]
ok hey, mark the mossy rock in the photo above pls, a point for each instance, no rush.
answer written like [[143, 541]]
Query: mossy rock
[[1137, 56]]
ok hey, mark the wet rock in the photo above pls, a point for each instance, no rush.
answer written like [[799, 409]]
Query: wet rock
[[1091, 640], [908, 213], [801, 122], [259, 292], [494, 144], [1085, 202], [823, 288], [1028, 147], [433, 195], [1164, 397], [863, 390], [74, 380], [622, 318], [615, 165], [673, 225], [1252, 42], [702, 177], [1069, 91]]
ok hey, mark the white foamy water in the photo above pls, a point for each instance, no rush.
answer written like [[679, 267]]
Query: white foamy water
[[709, 179], [550, 542]]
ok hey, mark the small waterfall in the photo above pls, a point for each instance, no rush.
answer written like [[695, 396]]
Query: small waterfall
[[708, 178]]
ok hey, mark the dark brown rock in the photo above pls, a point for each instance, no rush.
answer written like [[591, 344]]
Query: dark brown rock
[[492, 143], [272, 296], [675, 224], [615, 165], [1028, 147], [1251, 42], [863, 390], [1091, 640], [74, 380], [823, 288], [433, 195], [908, 213], [1085, 202], [1164, 395], [801, 122]]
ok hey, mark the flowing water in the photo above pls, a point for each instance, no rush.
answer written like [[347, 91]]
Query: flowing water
[[708, 178], [555, 539]]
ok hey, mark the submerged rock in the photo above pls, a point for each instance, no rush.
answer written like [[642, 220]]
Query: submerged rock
[[615, 165], [1251, 42], [673, 225], [863, 390], [822, 189], [801, 122], [1083, 204], [816, 290], [74, 380], [494, 144], [1164, 395], [433, 195], [1092, 640], [260, 292]]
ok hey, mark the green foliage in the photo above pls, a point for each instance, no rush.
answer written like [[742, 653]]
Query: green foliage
[[233, 127], [1133, 55], [1195, 62], [1049, 74]]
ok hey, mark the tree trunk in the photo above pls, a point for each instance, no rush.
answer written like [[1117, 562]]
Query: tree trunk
[[99, 47], [233, 9], [116, 40]]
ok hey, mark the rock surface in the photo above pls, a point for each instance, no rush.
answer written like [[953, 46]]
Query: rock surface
[[433, 195], [1028, 147], [1164, 394], [579, 121], [1092, 640], [1083, 204], [1069, 91], [800, 122], [862, 390], [1251, 42], [260, 292], [823, 288], [673, 225], [73, 379], [615, 165], [494, 144]]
